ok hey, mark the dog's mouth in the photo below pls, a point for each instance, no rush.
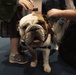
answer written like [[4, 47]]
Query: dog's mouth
[[34, 34], [36, 40]]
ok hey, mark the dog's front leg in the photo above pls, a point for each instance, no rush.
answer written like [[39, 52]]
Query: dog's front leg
[[46, 65], [34, 59], [34, 56]]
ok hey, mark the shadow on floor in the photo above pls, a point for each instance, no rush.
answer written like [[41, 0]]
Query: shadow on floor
[[59, 67]]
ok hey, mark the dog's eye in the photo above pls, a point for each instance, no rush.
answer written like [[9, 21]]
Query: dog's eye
[[25, 26], [40, 22]]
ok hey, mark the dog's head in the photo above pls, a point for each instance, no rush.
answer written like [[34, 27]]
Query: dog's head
[[33, 28]]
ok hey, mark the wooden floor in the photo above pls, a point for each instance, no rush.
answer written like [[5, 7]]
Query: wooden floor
[[58, 66]]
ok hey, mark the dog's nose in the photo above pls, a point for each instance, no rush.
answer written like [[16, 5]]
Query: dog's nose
[[34, 29]]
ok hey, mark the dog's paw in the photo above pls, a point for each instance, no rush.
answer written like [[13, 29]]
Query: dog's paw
[[56, 47], [47, 68], [33, 64]]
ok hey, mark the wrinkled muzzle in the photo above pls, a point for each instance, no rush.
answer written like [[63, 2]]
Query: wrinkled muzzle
[[34, 34]]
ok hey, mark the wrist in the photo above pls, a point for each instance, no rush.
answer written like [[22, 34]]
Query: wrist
[[61, 14]]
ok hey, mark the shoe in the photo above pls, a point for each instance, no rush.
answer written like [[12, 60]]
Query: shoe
[[17, 58]]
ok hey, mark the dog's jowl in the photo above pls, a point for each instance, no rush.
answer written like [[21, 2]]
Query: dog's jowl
[[34, 32]]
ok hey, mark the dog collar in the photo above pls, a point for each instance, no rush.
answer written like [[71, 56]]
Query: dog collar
[[24, 45], [43, 47]]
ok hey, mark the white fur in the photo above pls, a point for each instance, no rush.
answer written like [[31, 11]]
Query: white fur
[[46, 53], [30, 18]]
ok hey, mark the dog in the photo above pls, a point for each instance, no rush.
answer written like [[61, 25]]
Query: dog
[[34, 31]]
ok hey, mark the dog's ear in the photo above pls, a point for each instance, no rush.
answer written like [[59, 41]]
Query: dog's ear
[[45, 18], [49, 26]]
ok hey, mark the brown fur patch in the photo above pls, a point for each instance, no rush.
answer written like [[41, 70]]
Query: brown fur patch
[[40, 17]]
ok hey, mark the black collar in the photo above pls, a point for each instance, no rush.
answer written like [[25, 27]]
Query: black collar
[[24, 45]]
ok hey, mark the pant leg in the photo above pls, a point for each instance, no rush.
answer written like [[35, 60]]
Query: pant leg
[[67, 48], [14, 23]]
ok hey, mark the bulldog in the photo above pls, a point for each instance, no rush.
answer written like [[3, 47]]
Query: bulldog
[[34, 32]]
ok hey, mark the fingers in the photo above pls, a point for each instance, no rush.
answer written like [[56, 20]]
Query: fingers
[[32, 1], [24, 6], [54, 13], [27, 4], [49, 14]]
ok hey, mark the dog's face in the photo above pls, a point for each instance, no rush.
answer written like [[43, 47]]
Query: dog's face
[[33, 29]]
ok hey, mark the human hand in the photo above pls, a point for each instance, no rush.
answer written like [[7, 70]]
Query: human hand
[[27, 4], [54, 13]]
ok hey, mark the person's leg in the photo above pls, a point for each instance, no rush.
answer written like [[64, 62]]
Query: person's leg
[[14, 44], [67, 48], [15, 56]]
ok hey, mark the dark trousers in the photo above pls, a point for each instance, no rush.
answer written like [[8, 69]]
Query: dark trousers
[[67, 48]]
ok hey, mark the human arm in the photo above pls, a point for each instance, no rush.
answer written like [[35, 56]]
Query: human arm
[[68, 14]]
